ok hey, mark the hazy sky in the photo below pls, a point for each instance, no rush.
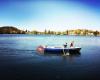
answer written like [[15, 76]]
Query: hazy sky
[[50, 14]]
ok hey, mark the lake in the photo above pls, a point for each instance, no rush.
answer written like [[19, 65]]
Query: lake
[[20, 60]]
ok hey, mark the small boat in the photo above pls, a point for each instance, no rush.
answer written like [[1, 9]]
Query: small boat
[[59, 50], [62, 50]]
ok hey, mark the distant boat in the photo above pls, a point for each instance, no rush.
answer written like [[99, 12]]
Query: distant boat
[[59, 50]]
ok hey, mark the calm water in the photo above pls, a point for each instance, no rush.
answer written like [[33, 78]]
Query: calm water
[[19, 59]]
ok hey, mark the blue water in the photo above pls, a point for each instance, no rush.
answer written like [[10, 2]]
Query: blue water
[[20, 60]]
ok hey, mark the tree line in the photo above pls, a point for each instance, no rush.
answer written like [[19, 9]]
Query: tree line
[[82, 32]]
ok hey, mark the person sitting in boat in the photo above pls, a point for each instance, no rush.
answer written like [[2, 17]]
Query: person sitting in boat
[[65, 45], [72, 43]]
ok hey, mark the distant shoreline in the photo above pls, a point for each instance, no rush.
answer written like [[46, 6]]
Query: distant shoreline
[[77, 32], [52, 35]]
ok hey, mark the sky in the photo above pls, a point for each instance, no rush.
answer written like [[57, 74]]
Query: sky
[[56, 15]]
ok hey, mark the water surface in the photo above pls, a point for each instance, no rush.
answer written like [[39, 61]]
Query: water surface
[[19, 59]]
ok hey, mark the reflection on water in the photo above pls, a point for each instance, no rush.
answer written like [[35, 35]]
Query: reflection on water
[[69, 58]]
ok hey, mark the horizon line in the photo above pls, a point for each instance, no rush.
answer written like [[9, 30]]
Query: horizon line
[[51, 29]]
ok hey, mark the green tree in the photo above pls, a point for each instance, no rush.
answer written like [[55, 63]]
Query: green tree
[[95, 33]]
